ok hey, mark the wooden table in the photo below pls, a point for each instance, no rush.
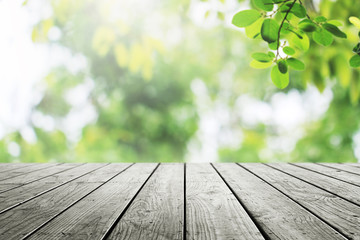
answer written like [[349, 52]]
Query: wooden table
[[178, 201]]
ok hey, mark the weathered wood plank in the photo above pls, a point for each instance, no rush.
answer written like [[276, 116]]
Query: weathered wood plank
[[212, 211], [24, 171], [344, 167], [339, 213], [94, 215], [337, 187], [277, 215], [24, 219], [332, 172], [4, 167], [14, 182], [158, 211], [24, 193]]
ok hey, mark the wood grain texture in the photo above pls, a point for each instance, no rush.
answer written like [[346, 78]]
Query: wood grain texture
[[333, 172], [14, 182], [93, 216], [141, 201], [24, 219], [345, 167], [5, 167], [212, 211], [339, 213], [23, 171], [158, 211], [22, 194], [339, 188], [277, 215]]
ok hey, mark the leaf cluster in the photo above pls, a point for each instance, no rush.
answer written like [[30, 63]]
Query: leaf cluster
[[287, 29]]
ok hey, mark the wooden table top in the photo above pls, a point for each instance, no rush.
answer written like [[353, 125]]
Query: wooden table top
[[180, 201]]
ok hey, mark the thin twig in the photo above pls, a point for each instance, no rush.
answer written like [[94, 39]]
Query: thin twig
[[281, 25]]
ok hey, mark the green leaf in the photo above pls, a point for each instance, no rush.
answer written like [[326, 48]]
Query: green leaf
[[295, 64], [271, 54], [289, 50], [297, 34], [301, 44], [320, 19], [297, 9], [335, 22], [282, 65], [307, 26], [269, 30], [356, 49], [323, 37], [286, 28], [266, 5], [279, 79], [355, 61], [260, 65], [334, 30], [261, 57], [245, 18], [273, 45], [254, 29]]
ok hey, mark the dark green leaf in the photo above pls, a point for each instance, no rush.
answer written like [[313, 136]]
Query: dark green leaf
[[245, 18], [282, 65], [334, 30], [307, 26], [356, 49], [269, 30], [295, 64]]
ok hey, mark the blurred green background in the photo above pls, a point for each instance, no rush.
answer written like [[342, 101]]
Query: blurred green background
[[167, 81]]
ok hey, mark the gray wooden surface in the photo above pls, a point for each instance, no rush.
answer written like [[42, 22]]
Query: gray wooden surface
[[180, 201]]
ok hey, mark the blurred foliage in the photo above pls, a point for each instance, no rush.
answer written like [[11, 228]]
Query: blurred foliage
[[141, 85]]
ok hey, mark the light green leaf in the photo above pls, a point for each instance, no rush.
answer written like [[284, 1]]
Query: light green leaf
[[323, 37], [273, 45], [259, 65], [261, 57], [355, 61], [245, 18], [320, 19], [335, 22], [269, 30], [279, 79], [254, 29], [289, 50], [355, 21], [271, 54], [266, 5], [301, 44]]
